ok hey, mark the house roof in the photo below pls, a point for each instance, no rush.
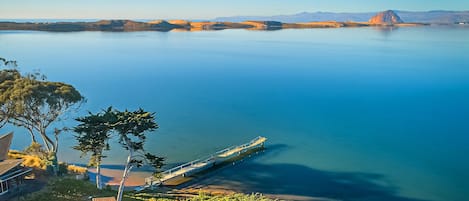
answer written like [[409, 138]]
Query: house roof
[[5, 142], [105, 199], [7, 165]]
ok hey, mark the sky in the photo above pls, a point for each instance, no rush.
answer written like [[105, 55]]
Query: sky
[[204, 9]]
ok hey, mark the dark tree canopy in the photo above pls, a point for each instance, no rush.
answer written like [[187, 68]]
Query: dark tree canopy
[[6, 62], [93, 134], [132, 127], [129, 127]]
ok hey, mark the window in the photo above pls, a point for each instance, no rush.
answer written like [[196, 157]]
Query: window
[[3, 187]]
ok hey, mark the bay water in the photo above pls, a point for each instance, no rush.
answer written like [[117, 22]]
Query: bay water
[[350, 113]]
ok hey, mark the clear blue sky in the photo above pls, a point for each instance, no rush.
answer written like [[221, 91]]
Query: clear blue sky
[[204, 9]]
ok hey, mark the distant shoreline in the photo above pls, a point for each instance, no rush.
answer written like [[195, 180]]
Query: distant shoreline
[[182, 25]]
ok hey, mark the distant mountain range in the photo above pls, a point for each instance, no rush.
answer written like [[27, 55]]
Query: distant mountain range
[[439, 16]]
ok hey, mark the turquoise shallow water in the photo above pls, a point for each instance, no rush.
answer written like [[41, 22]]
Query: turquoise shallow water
[[367, 114]]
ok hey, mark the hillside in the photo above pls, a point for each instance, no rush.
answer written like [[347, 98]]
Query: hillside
[[448, 17], [386, 18]]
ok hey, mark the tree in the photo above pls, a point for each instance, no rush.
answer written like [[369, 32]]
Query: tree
[[7, 80], [132, 129], [7, 76], [7, 62], [93, 134], [34, 103]]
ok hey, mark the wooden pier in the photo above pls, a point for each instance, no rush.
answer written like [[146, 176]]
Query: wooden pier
[[204, 163]]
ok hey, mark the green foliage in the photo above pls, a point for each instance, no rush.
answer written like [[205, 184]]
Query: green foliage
[[63, 169], [74, 169], [93, 134], [5, 62], [95, 130], [35, 103], [67, 189], [235, 197], [201, 197], [7, 80], [132, 127], [39, 98], [29, 160], [156, 162], [32, 102], [36, 149]]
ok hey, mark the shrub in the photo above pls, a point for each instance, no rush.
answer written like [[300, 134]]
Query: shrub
[[36, 149], [74, 169], [32, 161], [234, 197]]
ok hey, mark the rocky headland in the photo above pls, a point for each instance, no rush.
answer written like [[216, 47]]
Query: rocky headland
[[388, 17]]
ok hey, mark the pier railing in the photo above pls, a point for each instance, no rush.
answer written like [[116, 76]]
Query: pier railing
[[235, 149], [203, 162]]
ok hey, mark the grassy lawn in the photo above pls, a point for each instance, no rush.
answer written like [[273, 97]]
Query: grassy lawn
[[69, 189]]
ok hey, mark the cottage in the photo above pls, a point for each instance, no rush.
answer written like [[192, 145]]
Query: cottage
[[12, 173]]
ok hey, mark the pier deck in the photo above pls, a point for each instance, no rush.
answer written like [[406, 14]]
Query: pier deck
[[190, 168], [230, 151]]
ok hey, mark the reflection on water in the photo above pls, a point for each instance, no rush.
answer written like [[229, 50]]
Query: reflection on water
[[386, 30]]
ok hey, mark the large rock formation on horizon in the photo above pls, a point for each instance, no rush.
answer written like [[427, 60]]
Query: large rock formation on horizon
[[433, 17], [386, 17]]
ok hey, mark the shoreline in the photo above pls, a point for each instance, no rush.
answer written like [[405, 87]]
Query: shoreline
[[112, 177], [182, 25]]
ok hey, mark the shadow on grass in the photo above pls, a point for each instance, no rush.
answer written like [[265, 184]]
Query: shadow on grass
[[104, 179]]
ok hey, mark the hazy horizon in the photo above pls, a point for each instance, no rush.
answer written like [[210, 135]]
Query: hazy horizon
[[204, 9], [213, 18]]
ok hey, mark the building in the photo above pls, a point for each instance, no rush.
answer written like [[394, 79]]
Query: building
[[12, 173]]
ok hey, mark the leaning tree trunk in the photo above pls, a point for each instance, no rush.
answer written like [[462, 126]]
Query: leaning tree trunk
[[99, 184], [128, 167], [55, 163], [54, 159], [52, 149]]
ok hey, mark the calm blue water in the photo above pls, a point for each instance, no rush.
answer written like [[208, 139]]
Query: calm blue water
[[364, 111]]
